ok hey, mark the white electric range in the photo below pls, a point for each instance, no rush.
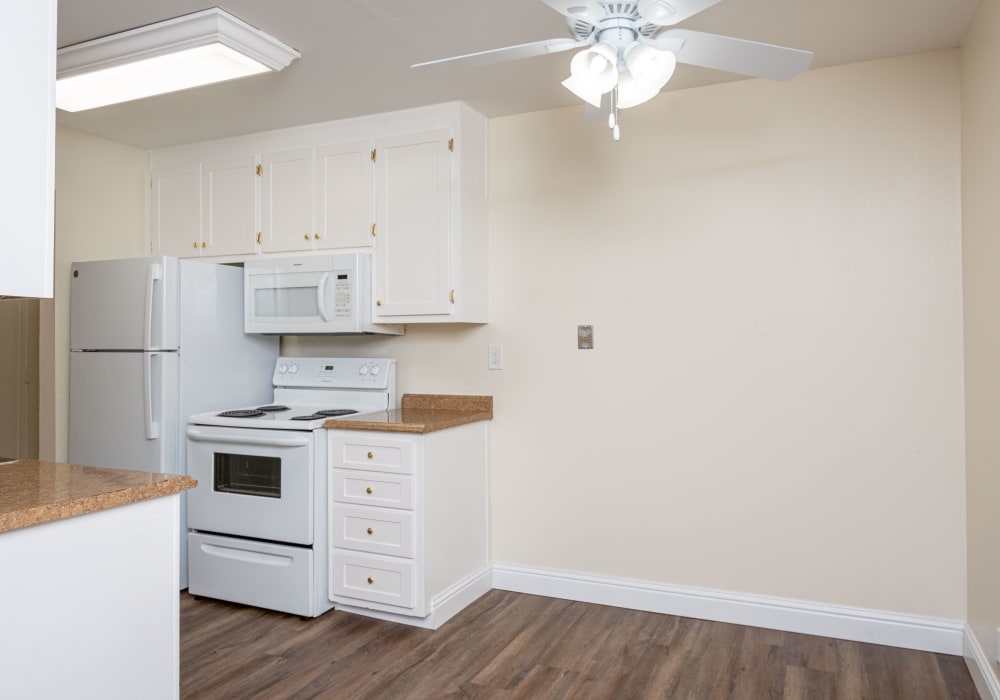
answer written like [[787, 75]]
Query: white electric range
[[257, 518]]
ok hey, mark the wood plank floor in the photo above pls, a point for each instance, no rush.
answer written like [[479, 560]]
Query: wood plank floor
[[511, 645]]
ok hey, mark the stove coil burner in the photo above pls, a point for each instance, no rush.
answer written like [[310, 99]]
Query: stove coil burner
[[272, 409], [311, 416], [330, 412], [242, 413]]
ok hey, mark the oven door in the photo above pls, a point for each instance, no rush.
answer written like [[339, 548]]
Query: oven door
[[252, 483]]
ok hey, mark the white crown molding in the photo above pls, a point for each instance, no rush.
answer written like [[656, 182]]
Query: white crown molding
[[856, 624]]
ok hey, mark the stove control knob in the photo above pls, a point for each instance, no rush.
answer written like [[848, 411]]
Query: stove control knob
[[282, 368], [375, 370], [293, 368], [363, 370]]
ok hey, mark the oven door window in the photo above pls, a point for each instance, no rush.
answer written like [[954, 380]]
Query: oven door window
[[248, 475]]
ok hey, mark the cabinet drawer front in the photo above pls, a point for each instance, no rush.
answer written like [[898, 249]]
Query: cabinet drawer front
[[372, 454], [372, 488], [378, 579], [377, 530]]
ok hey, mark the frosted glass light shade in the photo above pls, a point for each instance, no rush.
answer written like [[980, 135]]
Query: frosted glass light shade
[[197, 49], [631, 93], [593, 72], [651, 68]]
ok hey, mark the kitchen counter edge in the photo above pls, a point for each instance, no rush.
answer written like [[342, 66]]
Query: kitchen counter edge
[[33, 492], [421, 413]]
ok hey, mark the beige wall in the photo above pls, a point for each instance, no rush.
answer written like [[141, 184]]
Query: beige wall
[[775, 401], [981, 253], [101, 193]]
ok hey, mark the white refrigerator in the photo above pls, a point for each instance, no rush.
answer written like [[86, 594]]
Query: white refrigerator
[[152, 341]]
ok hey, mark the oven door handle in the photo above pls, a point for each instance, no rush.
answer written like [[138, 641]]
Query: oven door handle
[[288, 441]]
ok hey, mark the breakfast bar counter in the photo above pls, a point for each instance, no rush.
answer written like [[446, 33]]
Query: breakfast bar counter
[[89, 599], [33, 492], [421, 413]]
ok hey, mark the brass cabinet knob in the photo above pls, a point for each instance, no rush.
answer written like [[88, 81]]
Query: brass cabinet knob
[[196, 244], [371, 455], [204, 244], [307, 236], [369, 490], [371, 580], [316, 236], [371, 531], [378, 302]]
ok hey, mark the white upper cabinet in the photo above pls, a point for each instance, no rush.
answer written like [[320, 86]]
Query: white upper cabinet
[[410, 184], [286, 202], [344, 195], [28, 49], [229, 206], [175, 225], [412, 224]]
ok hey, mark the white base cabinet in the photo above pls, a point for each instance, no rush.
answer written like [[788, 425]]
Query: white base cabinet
[[409, 522]]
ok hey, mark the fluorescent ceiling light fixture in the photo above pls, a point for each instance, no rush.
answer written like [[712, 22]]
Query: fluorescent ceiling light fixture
[[205, 47]]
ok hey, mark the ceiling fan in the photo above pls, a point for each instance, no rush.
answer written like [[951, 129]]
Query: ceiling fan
[[629, 53]]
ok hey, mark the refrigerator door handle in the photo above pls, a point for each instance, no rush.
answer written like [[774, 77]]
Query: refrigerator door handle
[[321, 296], [154, 273], [152, 426]]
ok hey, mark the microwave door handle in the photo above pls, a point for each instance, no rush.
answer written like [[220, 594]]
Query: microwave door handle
[[153, 273], [321, 296]]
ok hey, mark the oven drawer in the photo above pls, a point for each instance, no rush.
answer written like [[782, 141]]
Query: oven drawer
[[378, 530], [370, 577], [354, 451], [272, 576], [372, 489]]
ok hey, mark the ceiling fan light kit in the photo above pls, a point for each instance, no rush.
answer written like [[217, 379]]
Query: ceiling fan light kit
[[197, 49], [631, 53]]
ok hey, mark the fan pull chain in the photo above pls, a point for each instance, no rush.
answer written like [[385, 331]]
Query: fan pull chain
[[616, 131]]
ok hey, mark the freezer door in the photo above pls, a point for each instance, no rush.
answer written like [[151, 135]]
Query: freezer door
[[123, 410], [129, 304]]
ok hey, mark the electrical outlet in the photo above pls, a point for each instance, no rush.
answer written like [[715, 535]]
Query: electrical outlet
[[585, 337], [495, 360]]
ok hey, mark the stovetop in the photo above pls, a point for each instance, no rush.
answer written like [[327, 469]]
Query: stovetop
[[310, 391]]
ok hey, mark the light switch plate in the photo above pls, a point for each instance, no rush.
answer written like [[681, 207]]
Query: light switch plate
[[495, 360], [585, 337]]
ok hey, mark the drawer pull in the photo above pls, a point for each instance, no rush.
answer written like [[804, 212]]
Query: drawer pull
[[369, 490], [371, 531], [371, 580], [371, 455]]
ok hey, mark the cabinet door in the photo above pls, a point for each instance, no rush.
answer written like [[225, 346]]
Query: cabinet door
[[286, 189], [229, 206], [413, 225], [175, 228], [27, 72], [344, 195]]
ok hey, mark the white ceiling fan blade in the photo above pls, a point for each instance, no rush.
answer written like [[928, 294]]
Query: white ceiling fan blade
[[578, 9], [507, 53], [666, 13], [735, 55]]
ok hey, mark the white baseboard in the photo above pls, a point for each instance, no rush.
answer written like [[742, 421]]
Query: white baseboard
[[980, 667], [855, 624], [444, 606]]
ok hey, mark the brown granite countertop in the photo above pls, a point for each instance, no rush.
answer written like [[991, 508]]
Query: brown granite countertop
[[421, 413], [34, 492]]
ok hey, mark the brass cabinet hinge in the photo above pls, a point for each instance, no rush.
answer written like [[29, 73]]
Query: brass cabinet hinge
[[451, 296], [373, 230], [451, 145], [373, 155], [260, 170], [260, 238]]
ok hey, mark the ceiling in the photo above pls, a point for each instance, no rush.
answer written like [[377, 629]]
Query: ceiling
[[356, 55]]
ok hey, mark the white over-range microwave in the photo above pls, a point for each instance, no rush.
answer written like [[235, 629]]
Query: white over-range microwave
[[311, 295]]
